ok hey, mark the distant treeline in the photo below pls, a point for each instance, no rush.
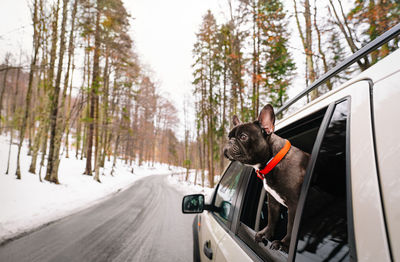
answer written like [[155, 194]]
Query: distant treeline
[[115, 110]]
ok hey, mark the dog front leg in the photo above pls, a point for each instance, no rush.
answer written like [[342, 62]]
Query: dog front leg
[[273, 216], [285, 242]]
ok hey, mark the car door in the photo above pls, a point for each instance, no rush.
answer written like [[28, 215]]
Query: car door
[[215, 224]]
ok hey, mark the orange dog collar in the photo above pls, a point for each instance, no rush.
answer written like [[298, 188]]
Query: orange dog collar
[[273, 161]]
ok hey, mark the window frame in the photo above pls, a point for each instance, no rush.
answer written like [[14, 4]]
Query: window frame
[[274, 254], [253, 249], [307, 181], [236, 223], [238, 197], [227, 226]]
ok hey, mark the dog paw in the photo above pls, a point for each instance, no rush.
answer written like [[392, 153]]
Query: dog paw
[[278, 245], [265, 234], [259, 237]]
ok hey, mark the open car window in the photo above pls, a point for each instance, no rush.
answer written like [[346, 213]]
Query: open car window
[[254, 211]]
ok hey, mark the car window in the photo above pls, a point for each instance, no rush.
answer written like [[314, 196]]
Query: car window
[[254, 211], [226, 192], [323, 234]]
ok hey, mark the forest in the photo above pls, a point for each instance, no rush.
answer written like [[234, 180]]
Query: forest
[[85, 93]]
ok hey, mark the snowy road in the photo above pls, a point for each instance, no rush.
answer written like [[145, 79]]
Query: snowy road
[[142, 223]]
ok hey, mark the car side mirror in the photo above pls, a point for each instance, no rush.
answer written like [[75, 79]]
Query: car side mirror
[[193, 204]]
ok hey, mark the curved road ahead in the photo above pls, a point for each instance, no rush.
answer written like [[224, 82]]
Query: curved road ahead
[[141, 223]]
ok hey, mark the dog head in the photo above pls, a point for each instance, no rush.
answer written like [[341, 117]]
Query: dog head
[[248, 142]]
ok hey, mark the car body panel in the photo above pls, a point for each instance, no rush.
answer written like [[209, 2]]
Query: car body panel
[[386, 98], [195, 231], [369, 223], [210, 230], [229, 250]]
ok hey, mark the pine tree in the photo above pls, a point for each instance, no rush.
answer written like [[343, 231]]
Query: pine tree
[[279, 65], [207, 75], [378, 16]]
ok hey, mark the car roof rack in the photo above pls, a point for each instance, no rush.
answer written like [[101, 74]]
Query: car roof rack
[[365, 50]]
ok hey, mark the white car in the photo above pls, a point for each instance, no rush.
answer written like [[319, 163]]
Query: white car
[[352, 134]]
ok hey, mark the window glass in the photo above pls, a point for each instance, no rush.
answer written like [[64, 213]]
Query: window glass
[[226, 191], [323, 232]]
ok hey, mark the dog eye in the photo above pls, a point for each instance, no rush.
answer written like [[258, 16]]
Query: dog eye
[[243, 136]]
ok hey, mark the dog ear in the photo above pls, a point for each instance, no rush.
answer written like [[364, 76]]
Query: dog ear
[[267, 119], [235, 120]]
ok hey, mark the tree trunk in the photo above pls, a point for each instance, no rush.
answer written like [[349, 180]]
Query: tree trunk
[[222, 162], [2, 94], [97, 144], [308, 49], [104, 129], [29, 91], [14, 118], [35, 149], [44, 152], [307, 44], [56, 130], [41, 93], [78, 137], [348, 36], [115, 155], [323, 56], [66, 78], [93, 92]]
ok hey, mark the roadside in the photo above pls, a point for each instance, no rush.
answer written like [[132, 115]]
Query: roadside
[[28, 204], [193, 185]]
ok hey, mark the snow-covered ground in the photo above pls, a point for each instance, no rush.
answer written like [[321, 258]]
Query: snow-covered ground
[[188, 187], [28, 204]]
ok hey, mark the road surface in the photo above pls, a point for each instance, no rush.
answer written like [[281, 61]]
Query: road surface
[[142, 223]]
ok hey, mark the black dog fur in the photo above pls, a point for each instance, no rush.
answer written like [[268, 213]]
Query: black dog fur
[[254, 144]]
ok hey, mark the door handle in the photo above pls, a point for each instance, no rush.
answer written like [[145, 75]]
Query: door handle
[[207, 249]]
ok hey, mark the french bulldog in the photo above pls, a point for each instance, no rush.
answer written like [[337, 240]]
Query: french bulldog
[[254, 144]]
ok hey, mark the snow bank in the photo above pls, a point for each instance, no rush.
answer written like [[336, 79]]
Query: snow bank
[[28, 204], [188, 187]]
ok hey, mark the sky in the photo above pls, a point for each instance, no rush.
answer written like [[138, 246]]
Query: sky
[[164, 33], [15, 27]]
